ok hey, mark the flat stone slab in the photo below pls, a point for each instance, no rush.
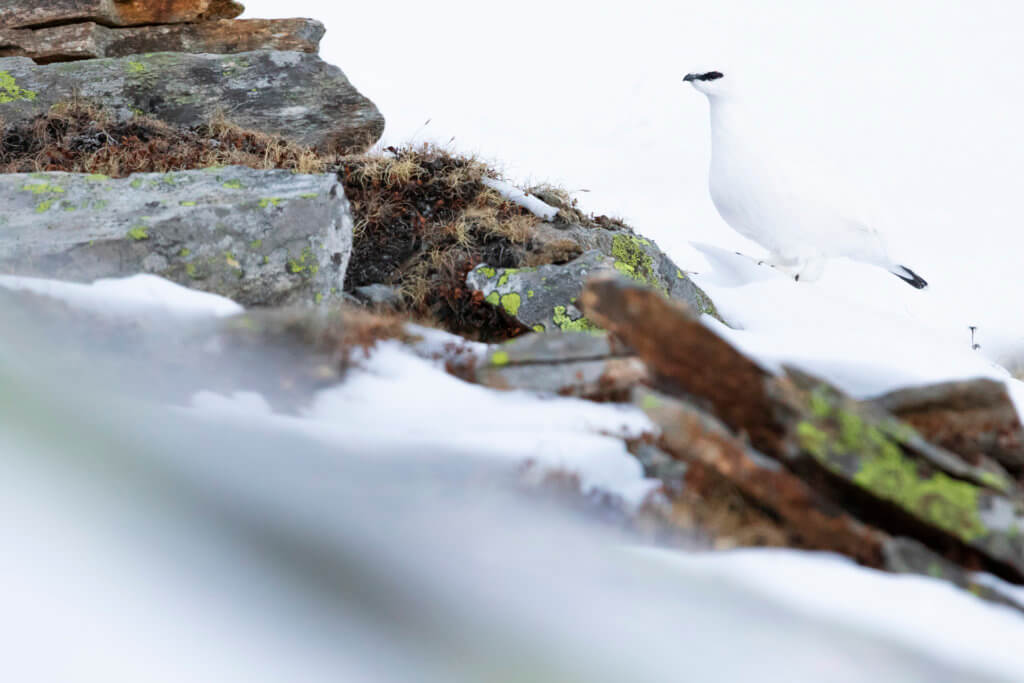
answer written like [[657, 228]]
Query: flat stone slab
[[292, 94], [90, 40], [257, 237], [23, 13]]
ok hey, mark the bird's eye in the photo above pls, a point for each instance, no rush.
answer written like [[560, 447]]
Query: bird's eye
[[712, 76]]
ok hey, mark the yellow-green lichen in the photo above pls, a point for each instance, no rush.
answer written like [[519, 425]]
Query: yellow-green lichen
[[511, 303], [190, 270], [234, 185], [567, 324], [631, 260], [499, 358], [186, 203], [10, 91], [539, 328], [949, 504], [487, 271], [319, 298], [184, 253], [43, 207], [43, 188], [650, 402], [139, 232], [97, 178], [136, 184], [270, 201], [255, 244], [309, 195], [812, 439], [135, 67], [840, 439], [493, 298], [304, 264]]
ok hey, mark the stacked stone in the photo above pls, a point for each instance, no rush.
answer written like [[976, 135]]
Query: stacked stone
[[182, 61], [69, 30]]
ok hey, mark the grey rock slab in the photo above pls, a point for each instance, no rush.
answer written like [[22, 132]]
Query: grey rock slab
[[571, 363], [292, 94], [258, 237], [541, 298]]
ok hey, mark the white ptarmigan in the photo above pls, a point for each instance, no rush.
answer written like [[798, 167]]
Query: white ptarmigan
[[793, 215]]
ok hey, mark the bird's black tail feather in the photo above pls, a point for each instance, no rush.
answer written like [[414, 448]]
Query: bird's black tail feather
[[909, 276]]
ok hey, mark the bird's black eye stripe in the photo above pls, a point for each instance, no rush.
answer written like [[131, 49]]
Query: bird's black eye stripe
[[711, 76]]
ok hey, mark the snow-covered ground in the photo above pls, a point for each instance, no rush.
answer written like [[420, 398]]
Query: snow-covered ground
[[398, 408]]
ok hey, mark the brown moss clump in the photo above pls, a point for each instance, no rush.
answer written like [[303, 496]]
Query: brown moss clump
[[424, 219], [78, 137]]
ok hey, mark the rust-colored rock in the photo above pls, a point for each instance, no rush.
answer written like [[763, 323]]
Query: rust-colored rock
[[28, 13], [687, 356], [692, 435], [974, 418], [90, 40]]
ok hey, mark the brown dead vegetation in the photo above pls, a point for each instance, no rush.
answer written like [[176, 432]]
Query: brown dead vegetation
[[78, 137]]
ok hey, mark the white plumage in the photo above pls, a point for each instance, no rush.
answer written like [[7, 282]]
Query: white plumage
[[793, 212]]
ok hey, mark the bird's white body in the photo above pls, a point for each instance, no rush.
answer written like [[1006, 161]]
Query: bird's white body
[[768, 194]]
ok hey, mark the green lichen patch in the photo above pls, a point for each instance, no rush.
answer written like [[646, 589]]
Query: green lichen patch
[[539, 328], [133, 67], [565, 323], [499, 358], [10, 91], [270, 201], [43, 207], [139, 232], [96, 177], [186, 203], [234, 185], [305, 264], [493, 298], [632, 260], [860, 450], [43, 188], [511, 303]]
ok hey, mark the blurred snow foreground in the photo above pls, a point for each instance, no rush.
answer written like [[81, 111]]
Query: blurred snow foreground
[[375, 535]]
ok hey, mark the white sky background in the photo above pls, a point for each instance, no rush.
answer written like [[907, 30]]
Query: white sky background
[[920, 103]]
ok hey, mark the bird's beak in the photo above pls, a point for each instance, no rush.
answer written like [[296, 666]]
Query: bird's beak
[[690, 77]]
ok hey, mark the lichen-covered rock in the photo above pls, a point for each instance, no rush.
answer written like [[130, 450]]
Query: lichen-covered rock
[[258, 237], [543, 298], [292, 94], [89, 40], [973, 418], [592, 366], [21, 13]]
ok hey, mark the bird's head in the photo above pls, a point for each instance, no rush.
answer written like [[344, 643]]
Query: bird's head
[[710, 83]]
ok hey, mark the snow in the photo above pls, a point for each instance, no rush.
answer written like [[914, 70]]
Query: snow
[[135, 296], [399, 402], [512, 193], [928, 614]]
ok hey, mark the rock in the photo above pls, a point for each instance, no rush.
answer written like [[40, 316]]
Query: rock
[[571, 364], [694, 436], [378, 295], [541, 298], [25, 13], [258, 237], [860, 457], [566, 256], [292, 94], [91, 41], [973, 418]]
